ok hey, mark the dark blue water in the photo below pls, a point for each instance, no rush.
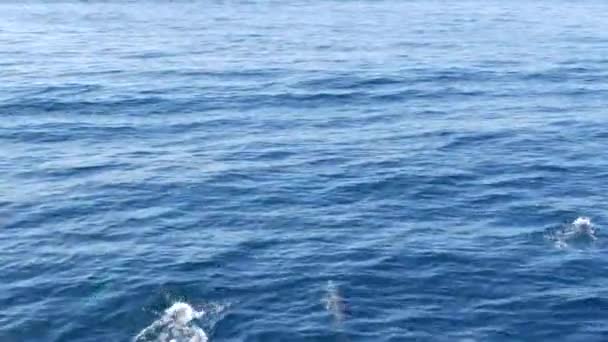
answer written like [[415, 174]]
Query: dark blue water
[[304, 171]]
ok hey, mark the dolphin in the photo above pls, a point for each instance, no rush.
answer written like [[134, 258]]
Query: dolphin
[[334, 302]]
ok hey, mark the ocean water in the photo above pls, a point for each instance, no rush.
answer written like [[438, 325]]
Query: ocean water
[[307, 170]]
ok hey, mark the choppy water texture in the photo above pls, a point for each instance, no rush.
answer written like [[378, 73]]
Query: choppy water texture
[[303, 171]]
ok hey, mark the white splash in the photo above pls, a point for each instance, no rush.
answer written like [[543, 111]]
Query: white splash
[[579, 231], [583, 224], [176, 325], [334, 302]]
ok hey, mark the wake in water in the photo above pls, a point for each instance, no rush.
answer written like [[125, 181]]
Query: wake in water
[[179, 323], [580, 232]]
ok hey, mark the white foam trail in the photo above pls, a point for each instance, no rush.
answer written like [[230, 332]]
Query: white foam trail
[[580, 230], [176, 325]]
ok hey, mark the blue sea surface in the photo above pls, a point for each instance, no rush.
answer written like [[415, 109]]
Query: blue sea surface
[[307, 170]]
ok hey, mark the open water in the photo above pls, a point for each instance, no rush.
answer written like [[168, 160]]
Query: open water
[[307, 170]]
